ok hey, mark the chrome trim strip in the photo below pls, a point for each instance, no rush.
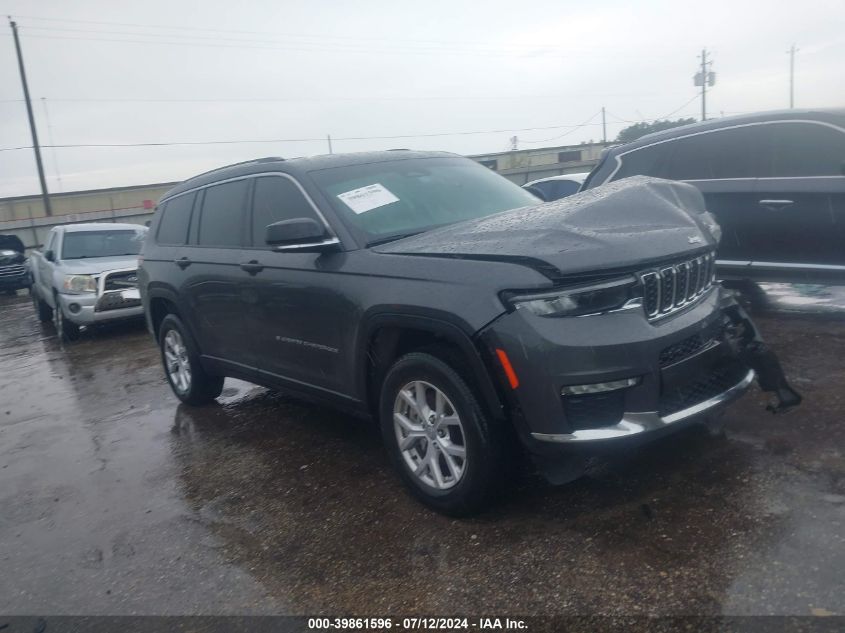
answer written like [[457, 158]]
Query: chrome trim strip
[[637, 423], [293, 247], [788, 265]]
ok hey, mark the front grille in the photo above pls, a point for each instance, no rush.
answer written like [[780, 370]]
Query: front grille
[[14, 270], [708, 384], [594, 410], [671, 288], [122, 280]]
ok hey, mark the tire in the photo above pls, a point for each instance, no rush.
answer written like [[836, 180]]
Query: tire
[[44, 311], [67, 330], [180, 357], [458, 487]]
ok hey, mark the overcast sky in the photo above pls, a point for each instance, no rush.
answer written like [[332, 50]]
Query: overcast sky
[[181, 71]]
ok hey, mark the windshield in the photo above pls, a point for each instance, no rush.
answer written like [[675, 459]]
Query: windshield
[[106, 243], [396, 198]]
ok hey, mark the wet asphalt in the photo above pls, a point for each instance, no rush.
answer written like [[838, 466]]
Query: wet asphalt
[[115, 499]]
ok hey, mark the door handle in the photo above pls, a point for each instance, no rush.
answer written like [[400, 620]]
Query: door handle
[[775, 205], [252, 266], [183, 262]]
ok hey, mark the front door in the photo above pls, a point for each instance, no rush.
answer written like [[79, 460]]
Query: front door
[[299, 316]]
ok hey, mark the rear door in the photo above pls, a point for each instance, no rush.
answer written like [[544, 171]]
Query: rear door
[[215, 283], [800, 203]]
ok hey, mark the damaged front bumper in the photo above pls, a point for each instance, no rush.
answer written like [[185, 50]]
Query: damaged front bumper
[[615, 379]]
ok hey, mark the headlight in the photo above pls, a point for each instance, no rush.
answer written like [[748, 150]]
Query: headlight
[[79, 284], [579, 301]]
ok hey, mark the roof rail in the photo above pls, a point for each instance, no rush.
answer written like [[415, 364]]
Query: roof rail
[[266, 159]]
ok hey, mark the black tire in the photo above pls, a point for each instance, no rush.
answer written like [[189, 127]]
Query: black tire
[[202, 387], [483, 439], [44, 311], [67, 330]]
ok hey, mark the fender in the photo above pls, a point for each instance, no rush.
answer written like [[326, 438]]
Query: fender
[[443, 324]]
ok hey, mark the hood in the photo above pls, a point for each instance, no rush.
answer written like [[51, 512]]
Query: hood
[[621, 225], [11, 243], [97, 265]]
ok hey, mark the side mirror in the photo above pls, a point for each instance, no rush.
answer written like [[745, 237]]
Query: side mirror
[[537, 192], [50, 256], [299, 234]]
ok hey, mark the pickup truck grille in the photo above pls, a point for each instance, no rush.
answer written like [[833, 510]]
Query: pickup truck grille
[[122, 280], [670, 288], [13, 270]]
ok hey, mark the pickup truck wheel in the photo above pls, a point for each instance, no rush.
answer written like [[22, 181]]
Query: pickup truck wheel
[[439, 439], [67, 330], [189, 381], [44, 311]]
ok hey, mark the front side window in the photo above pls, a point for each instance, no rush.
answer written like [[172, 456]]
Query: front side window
[[104, 243], [276, 199], [728, 153], [402, 197], [222, 214], [648, 161], [805, 149]]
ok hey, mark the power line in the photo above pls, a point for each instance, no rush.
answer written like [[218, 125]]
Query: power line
[[574, 128], [302, 140]]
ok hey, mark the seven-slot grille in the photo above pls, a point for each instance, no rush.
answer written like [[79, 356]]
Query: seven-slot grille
[[668, 289]]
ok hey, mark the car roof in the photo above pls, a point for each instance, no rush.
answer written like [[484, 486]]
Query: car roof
[[828, 115], [102, 226], [300, 165], [579, 178]]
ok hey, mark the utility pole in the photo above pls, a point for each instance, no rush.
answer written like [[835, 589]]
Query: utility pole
[[44, 194], [792, 50], [52, 142], [514, 143], [704, 78], [329, 139], [603, 127]]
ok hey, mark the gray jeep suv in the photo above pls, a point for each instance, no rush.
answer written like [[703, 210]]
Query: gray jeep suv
[[435, 296]]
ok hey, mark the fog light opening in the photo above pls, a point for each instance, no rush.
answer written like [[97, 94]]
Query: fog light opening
[[74, 308], [599, 387]]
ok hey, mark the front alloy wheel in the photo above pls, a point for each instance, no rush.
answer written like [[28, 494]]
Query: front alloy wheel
[[448, 452], [430, 435]]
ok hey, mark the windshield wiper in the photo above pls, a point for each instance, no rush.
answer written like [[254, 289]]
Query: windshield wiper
[[393, 238]]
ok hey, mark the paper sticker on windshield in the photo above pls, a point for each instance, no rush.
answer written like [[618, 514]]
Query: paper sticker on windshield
[[367, 198]]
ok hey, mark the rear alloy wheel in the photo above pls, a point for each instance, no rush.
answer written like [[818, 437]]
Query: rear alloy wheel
[[449, 453], [182, 366], [67, 330]]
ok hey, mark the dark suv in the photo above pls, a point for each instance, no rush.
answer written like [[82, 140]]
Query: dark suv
[[774, 180], [432, 294]]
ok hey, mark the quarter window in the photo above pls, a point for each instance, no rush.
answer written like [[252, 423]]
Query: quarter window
[[277, 199], [222, 214], [805, 149], [175, 217]]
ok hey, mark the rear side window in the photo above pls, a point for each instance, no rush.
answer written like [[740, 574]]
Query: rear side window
[[222, 214], [276, 199], [805, 149], [175, 218]]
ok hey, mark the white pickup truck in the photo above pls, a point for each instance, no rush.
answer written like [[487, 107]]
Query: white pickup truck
[[86, 274]]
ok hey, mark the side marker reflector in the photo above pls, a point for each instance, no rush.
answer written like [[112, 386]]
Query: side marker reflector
[[506, 365]]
